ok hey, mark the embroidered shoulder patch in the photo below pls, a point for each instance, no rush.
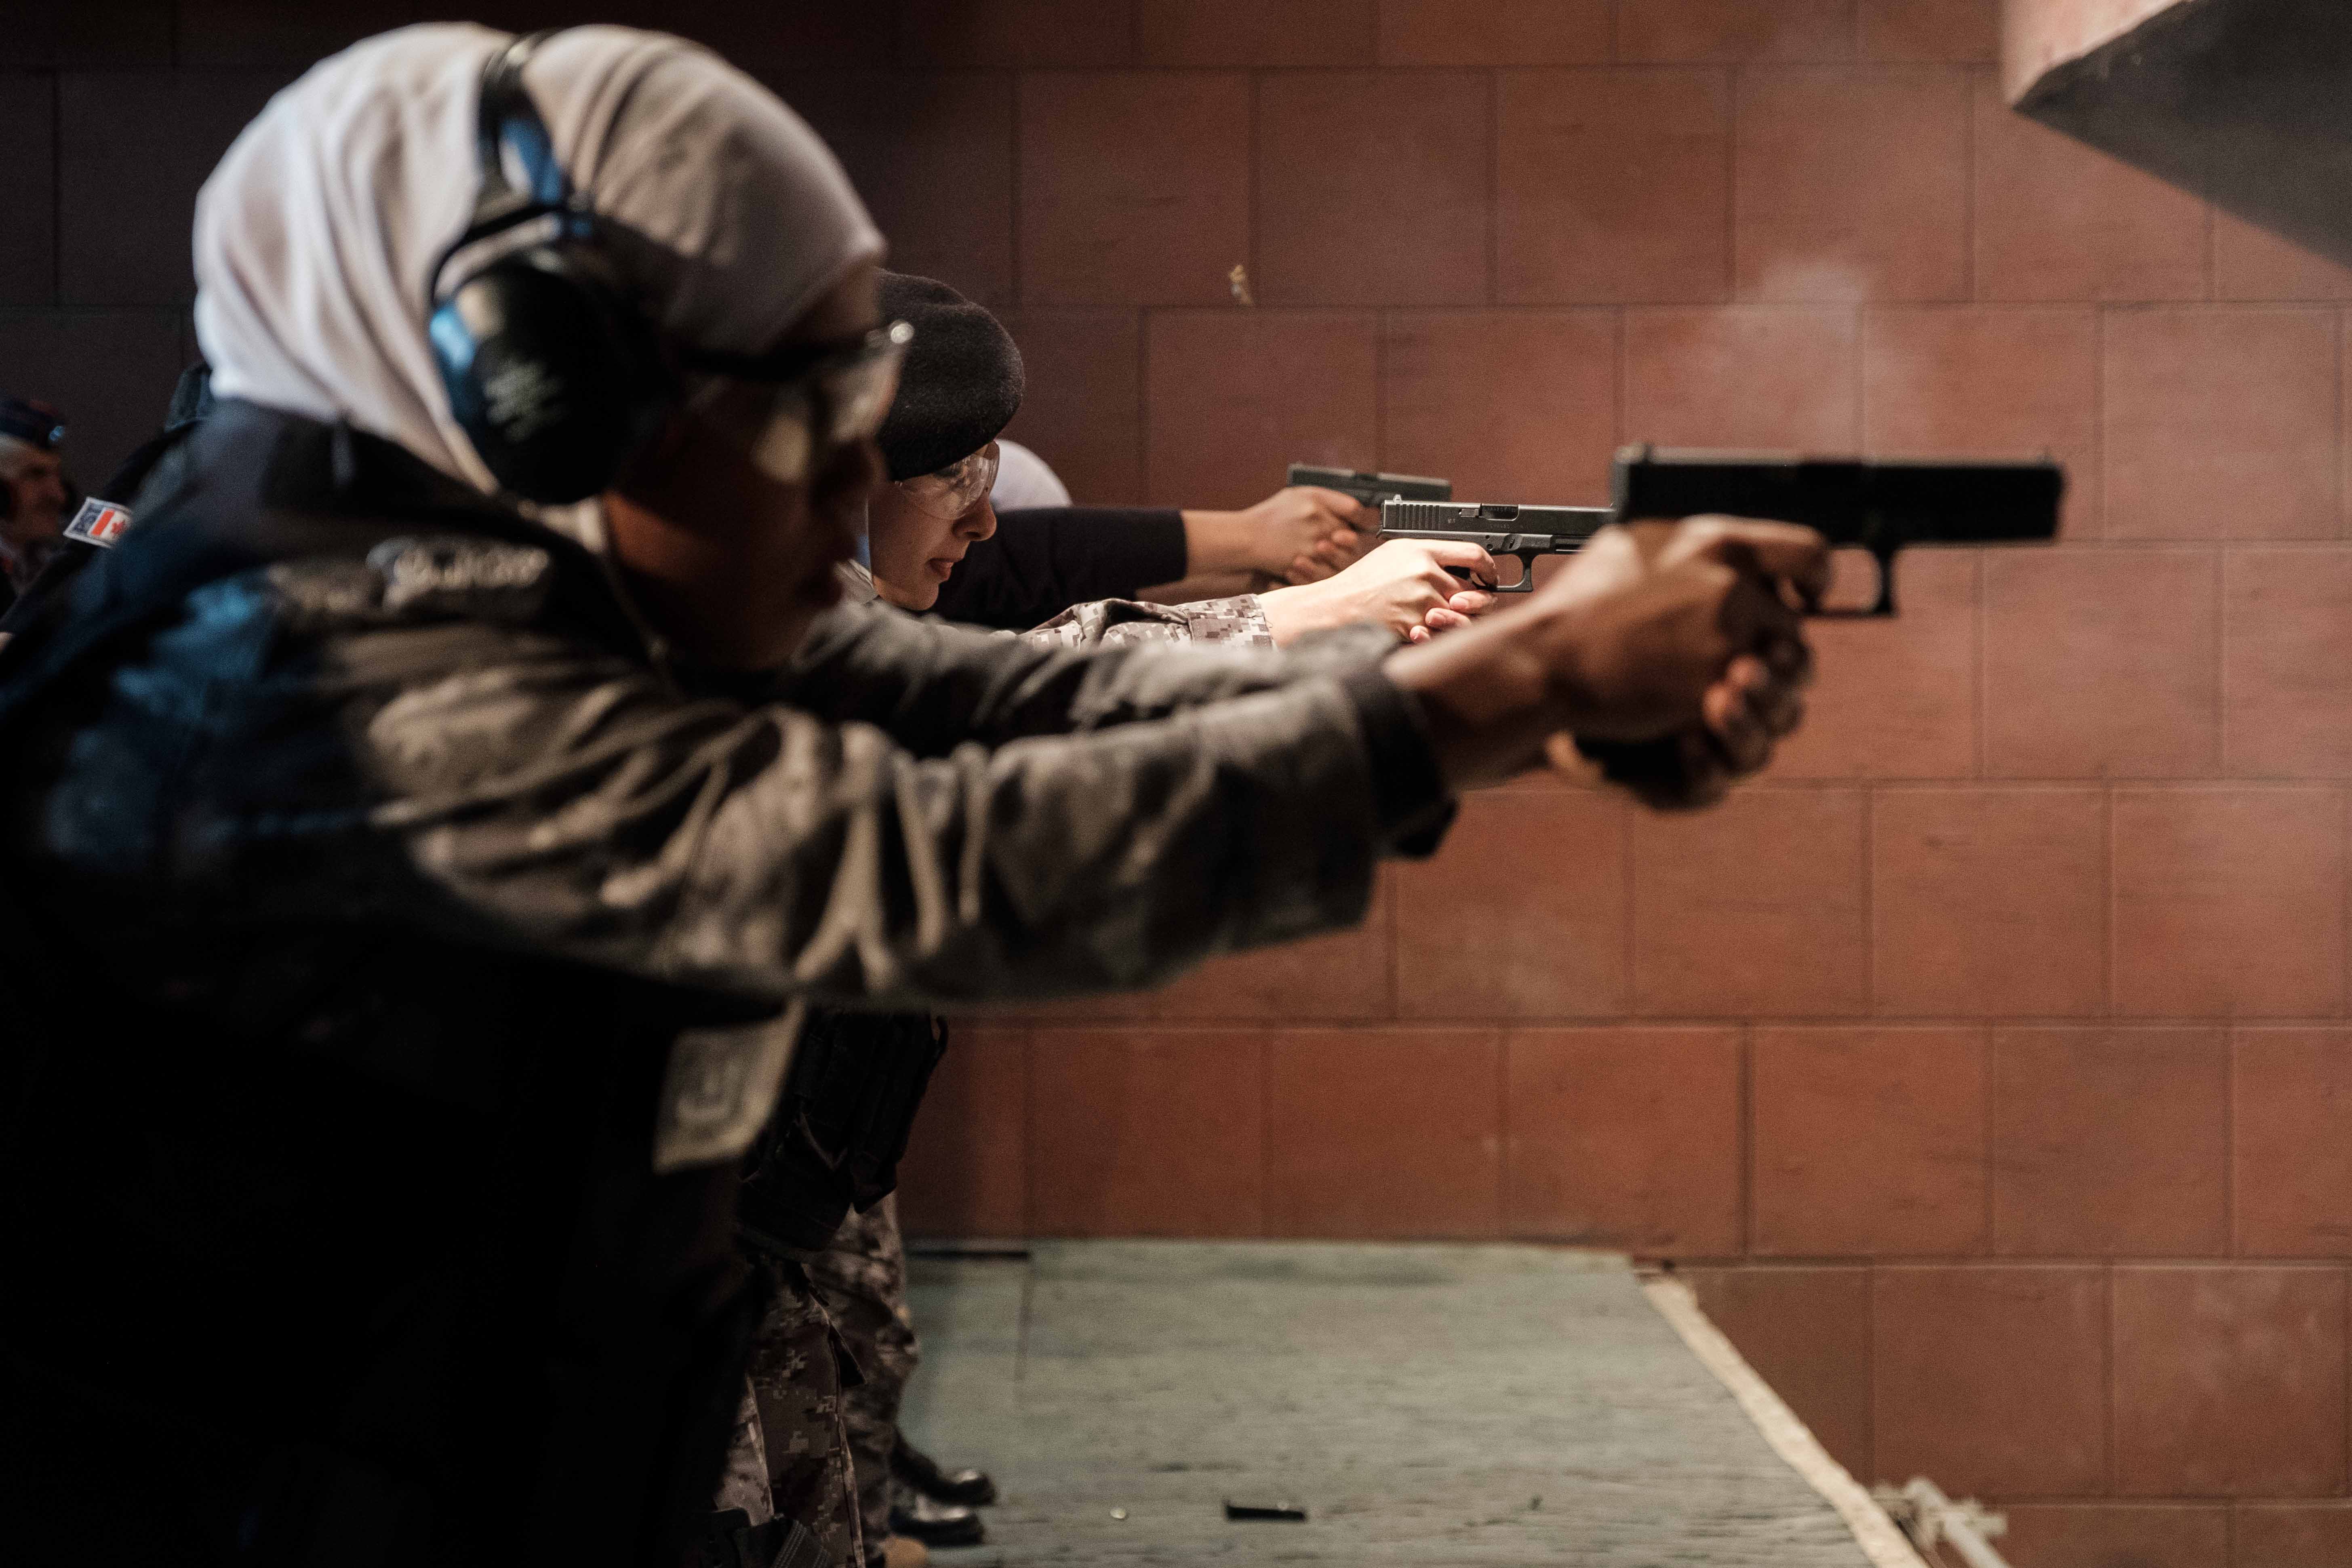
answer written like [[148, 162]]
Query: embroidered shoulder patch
[[99, 522], [462, 577]]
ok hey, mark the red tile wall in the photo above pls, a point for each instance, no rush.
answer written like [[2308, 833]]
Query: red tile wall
[[1988, 1067]]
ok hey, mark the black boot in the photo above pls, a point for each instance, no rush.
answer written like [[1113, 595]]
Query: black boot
[[972, 1488], [934, 1523]]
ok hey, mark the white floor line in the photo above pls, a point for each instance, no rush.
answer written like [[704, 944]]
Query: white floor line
[[1880, 1541]]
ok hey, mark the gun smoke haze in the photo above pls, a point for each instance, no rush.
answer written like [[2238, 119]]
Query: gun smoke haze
[[1817, 280]]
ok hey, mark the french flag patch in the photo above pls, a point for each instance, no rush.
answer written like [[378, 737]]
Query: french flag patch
[[100, 523]]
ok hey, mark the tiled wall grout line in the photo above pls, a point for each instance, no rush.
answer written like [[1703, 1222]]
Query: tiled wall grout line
[[2222, 559], [2343, 452], [1731, 188], [1396, 962], [1628, 847], [1250, 210], [2236, 1238], [1861, 321], [2106, 1379], [1264, 1136], [1494, 78], [2212, 253], [1020, 80], [1503, 1044], [1977, 684], [1871, 1358], [1143, 404], [1617, 327], [1968, 82], [1870, 899], [2098, 509], [1747, 1096], [1029, 1162], [1992, 1141]]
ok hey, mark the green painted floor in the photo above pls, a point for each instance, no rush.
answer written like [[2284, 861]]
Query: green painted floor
[[1426, 1405]]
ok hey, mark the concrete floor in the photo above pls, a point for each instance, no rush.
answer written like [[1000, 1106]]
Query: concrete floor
[[1426, 1405]]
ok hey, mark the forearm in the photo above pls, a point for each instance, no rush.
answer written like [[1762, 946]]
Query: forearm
[[1226, 544]]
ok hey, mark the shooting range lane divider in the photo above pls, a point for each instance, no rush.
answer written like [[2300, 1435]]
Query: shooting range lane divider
[[1881, 1540]]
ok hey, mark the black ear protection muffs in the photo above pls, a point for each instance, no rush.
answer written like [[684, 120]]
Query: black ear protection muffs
[[553, 376]]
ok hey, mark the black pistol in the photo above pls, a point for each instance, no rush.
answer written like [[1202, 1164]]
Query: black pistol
[[1880, 507], [1372, 489], [1521, 532]]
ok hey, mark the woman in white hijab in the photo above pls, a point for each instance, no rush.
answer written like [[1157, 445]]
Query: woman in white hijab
[[395, 856], [318, 236]]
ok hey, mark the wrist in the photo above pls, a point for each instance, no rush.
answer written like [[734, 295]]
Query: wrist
[[1493, 693], [1292, 612], [1283, 613]]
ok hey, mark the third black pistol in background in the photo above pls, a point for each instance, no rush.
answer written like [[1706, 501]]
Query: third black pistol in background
[[1880, 507], [1372, 489]]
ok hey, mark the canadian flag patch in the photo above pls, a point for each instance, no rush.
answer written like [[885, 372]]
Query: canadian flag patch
[[102, 523]]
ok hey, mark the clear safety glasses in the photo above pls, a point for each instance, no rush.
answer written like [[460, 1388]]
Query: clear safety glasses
[[955, 490], [804, 409]]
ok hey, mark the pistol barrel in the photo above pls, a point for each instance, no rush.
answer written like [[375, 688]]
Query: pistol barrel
[[1893, 501]]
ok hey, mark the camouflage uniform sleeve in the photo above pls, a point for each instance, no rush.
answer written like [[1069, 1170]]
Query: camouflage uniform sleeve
[[925, 818], [1113, 623], [1112, 663]]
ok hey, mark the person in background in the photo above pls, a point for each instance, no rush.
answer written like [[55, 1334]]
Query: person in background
[[1041, 560], [1024, 481], [964, 376], [157, 460], [34, 492]]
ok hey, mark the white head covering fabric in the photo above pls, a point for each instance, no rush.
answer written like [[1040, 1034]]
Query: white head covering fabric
[[315, 234], [1023, 480]]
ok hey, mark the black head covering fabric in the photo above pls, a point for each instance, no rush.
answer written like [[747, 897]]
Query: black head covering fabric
[[961, 383], [37, 422], [192, 396]]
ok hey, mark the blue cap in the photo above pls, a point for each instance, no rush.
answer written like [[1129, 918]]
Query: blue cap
[[35, 423]]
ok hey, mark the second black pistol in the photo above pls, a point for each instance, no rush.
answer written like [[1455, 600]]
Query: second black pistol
[[1524, 532]]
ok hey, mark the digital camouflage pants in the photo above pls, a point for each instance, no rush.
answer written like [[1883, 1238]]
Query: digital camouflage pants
[[861, 1279], [824, 1432], [798, 1375]]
